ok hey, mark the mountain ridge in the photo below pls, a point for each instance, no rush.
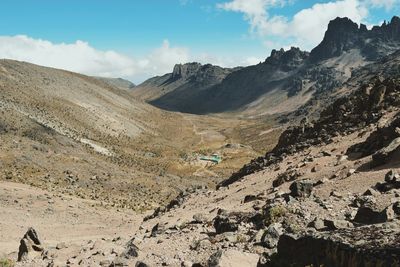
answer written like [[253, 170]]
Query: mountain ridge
[[286, 80], [343, 34]]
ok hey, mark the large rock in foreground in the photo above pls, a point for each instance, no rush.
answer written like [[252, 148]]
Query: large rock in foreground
[[363, 246], [233, 258]]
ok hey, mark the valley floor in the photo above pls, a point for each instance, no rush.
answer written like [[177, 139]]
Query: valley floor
[[91, 235]]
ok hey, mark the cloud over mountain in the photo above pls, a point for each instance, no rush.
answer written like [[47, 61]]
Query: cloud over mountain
[[81, 57], [306, 27]]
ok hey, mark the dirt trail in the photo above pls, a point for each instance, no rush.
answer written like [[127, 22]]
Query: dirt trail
[[57, 218]]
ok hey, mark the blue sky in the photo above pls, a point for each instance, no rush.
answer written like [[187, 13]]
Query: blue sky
[[138, 39]]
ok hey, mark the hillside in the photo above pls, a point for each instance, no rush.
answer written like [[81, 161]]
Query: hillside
[[327, 194], [287, 80], [118, 82], [79, 135]]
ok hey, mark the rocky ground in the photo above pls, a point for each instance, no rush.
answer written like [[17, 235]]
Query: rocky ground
[[64, 224], [331, 200], [334, 203]]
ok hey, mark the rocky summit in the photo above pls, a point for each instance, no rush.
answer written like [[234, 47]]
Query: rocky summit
[[290, 162], [344, 35], [288, 83]]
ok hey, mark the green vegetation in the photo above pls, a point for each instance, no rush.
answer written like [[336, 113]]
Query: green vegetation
[[274, 213], [4, 262]]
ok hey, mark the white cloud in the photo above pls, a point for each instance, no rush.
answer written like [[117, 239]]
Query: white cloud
[[78, 56], [162, 59], [305, 28], [309, 25], [83, 58], [255, 11]]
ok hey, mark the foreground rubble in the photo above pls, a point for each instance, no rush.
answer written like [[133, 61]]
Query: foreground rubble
[[322, 197]]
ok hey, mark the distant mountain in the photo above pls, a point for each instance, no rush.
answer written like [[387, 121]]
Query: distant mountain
[[344, 35], [287, 81], [118, 82], [171, 90]]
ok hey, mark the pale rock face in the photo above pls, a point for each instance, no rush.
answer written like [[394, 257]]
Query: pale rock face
[[186, 70], [233, 258]]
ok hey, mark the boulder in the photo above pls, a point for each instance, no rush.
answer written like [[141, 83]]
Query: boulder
[[232, 258], [271, 236], [224, 223], [200, 218], [30, 246], [392, 181], [141, 264], [157, 229], [396, 208], [371, 215], [317, 224], [131, 250], [383, 155], [392, 176], [301, 188]]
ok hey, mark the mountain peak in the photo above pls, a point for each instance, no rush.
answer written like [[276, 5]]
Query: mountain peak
[[286, 59], [341, 25], [185, 70], [343, 35], [395, 20]]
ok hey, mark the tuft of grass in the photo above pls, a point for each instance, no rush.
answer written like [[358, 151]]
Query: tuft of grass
[[4, 262], [241, 238], [274, 213]]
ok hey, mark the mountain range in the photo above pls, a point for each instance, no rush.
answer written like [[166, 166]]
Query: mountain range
[[285, 82]]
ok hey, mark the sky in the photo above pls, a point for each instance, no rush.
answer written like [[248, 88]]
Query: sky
[[139, 39]]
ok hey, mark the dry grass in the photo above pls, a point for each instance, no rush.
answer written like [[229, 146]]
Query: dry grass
[[5, 262]]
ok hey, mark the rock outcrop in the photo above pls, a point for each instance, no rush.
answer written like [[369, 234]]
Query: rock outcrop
[[343, 35], [301, 188], [306, 78], [30, 246], [345, 116], [364, 246]]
